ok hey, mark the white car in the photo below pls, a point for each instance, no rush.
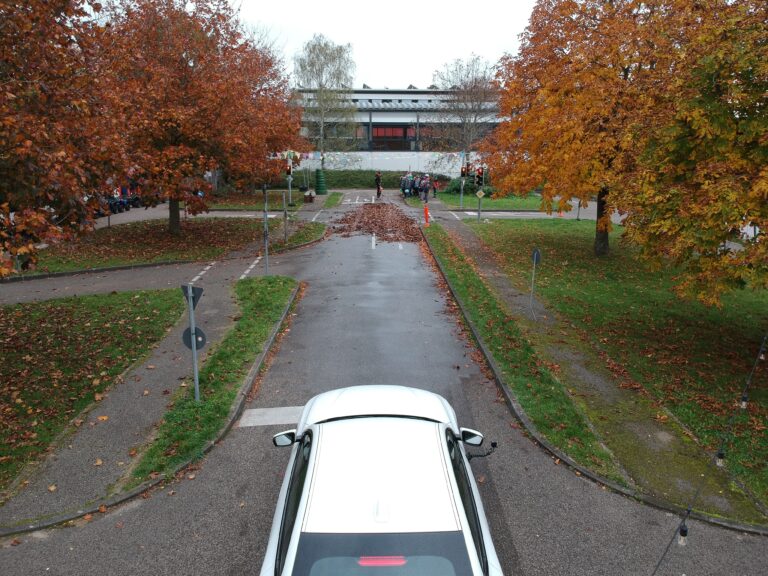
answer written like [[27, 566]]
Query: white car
[[379, 483]]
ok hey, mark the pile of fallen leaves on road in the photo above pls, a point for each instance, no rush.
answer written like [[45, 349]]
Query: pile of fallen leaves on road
[[387, 221]]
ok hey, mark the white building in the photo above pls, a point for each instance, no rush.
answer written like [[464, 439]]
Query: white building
[[398, 130]]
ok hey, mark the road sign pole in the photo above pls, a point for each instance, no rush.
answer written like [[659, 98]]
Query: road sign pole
[[266, 232], [290, 201], [536, 258], [285, 220], [461, 195], [193, 330], [479, 206]]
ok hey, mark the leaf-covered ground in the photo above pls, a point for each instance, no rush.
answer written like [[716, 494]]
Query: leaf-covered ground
[[691, 359], [387, 221], [149, 241], [59, 356]]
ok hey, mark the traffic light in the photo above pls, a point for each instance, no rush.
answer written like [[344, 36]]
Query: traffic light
[[463, 171], [479, 177], [288, 169]]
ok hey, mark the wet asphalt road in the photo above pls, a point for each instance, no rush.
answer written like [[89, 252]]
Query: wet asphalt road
[[375, 316]]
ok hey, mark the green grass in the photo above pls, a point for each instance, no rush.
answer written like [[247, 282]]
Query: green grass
[[61, 355], [189, 426], [691, 359], [149, 241], [509, 203], [333, 200], [306, 232], [541, 395]]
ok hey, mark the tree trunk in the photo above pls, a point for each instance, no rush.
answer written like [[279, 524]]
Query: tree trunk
[[601, 232], [174, 218]]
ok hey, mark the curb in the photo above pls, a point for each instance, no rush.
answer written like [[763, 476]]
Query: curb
[[533, 433], [234, 414], [32, 277]]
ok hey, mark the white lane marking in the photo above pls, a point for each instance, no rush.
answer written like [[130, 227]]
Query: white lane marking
[[203, 271], [316, 215], [250, 268], [373, 242], [399, 246], [285, 415], [357, 199], [454, 215]]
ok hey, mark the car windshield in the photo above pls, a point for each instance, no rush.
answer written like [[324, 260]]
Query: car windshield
[[409, 554]]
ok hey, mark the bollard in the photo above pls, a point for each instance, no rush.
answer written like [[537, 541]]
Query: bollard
[[426, 216]]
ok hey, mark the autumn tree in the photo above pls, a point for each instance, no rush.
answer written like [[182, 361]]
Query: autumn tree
[[698, 195], [567, 98], [56, 136], [262, 120], [201, 96], [470, 107], [324, 73]]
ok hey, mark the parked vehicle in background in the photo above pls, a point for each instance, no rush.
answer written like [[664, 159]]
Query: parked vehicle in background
[[379, 482]]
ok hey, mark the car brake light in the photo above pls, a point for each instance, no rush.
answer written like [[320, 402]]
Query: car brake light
[[379, 561]]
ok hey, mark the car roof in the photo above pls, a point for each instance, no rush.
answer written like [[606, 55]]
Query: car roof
[[380, 475], [380, 400]]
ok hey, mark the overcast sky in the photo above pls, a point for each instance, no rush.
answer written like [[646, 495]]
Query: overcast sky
[[394, 42]]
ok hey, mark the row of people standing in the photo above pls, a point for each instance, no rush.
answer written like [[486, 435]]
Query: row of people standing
[[413, 184]]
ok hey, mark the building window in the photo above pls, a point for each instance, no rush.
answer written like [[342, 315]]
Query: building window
[[388, 131]]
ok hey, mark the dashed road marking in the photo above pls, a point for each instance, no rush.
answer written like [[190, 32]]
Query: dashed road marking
[[202, 272], [285, 415], [455, 215], [251, 267], [316, 215]]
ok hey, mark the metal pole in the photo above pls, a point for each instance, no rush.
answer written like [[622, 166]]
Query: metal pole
[[266, 232], [285, 220], [533, 279], [290, 179], [461, 195], [479, 205], [193, 331]]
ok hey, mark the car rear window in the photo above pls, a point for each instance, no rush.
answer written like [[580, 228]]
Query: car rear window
[[410, 554]]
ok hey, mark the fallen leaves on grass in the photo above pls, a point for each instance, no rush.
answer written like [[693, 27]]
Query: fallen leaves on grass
[[150, 241]]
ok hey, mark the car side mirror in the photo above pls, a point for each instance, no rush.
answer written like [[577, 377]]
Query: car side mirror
[[284, 438], [471, 437]]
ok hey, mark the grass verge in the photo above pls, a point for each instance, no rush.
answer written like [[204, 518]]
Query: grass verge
[[508, 203], [333, 200], [690, 359], [305, 233], [61, 355], [541, 395], [189, 426], [149, 241]]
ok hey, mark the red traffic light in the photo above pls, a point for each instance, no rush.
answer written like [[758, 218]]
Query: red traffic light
[[463, 171], [288, 170]]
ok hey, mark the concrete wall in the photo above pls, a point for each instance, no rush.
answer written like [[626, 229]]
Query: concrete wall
[[448, 163]]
